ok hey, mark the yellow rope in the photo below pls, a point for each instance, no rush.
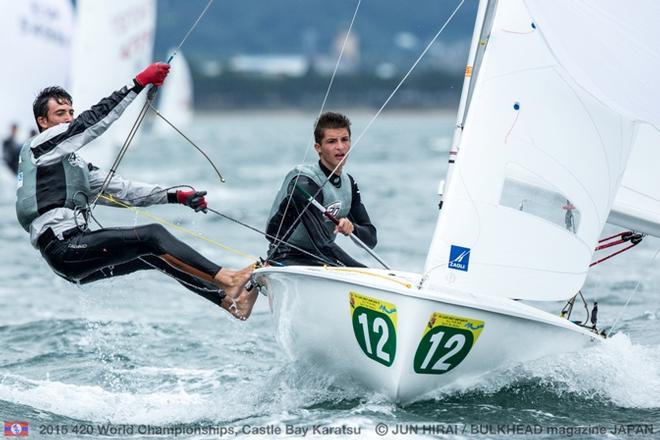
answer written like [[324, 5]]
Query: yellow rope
[[405, 284], [177, 227]]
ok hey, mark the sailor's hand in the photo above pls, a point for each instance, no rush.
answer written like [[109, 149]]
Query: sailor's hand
[[345, 227], [154, 74], [193, 199]]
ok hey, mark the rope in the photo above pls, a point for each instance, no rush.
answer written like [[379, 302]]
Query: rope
[[122, 152], [373, 119], [208, 5], [309, 143], [208, 240], [136, 125], [177, 227], [252, 228], [632, 237], [405, 284], [206, 156], [609, 333]]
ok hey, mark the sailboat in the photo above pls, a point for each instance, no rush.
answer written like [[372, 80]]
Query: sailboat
[[175, 100], [102, 64], [557, 97], [35, 37]]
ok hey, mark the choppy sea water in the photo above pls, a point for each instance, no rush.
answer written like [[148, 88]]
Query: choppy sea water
[[140, 356]]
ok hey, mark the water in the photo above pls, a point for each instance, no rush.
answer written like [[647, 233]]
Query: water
[[140, 352]]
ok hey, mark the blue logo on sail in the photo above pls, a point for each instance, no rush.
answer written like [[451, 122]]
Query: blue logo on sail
[[459, 258]]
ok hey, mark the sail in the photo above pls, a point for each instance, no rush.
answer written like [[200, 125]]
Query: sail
[[637, 204], [543, 150], [113, 42], [35, 41], [175, 100]]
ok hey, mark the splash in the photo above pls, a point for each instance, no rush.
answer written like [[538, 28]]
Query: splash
[[617, 370]]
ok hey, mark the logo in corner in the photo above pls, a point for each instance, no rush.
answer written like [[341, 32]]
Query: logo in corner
[[16, 429], [459, 258]]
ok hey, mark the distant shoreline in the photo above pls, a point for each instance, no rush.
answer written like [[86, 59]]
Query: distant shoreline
[[397, 112]]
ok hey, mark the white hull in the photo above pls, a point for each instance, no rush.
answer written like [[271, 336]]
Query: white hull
[[469, 336]]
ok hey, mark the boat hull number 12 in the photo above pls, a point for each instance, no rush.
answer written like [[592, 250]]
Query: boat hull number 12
[[445, 343]]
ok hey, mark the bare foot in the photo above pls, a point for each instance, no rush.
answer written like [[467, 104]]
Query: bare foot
[[232, 282], [240, 307]]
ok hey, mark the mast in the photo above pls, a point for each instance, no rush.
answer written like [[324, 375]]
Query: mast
[[482, 28]]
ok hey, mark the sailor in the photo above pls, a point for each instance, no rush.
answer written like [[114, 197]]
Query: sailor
[[11, 148], [295, 223], [56, 187]]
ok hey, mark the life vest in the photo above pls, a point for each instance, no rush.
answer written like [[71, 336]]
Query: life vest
[[336, 200], [64, 184]]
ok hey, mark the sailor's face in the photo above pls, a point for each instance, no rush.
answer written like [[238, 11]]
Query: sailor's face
[[58, 113], [334, 147]]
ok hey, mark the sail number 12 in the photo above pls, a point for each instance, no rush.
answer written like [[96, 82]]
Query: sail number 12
[[446, 342], [374, 327]]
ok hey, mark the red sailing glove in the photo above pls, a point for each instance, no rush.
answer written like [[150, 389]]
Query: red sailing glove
[[192, 198], [154, 74]]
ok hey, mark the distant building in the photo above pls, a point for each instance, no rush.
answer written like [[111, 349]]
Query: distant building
[[350, 59], [270, 65]]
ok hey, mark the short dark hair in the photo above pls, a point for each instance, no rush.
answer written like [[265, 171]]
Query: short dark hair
[[330, 120], [40, 104]]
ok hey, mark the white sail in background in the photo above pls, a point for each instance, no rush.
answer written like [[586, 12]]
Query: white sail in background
[[637, 204], [543, 116], [113, 42], [175, 99], [35, 42]]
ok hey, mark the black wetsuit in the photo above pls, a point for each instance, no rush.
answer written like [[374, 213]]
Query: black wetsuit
[[324, 248], [87, 256]]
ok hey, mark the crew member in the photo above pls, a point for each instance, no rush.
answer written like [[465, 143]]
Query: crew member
[[56, 187], [295, 224], [11, 149]]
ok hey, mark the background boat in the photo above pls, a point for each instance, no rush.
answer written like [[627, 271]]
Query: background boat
[[102, 64], [33, 35]]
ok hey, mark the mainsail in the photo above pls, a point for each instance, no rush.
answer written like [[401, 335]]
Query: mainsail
[[113, 42], [545, 144], [35, 41]]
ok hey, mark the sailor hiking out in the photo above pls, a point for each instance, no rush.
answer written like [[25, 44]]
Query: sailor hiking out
[[56, 187]]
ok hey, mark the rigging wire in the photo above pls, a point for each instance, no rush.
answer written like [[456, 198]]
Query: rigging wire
[[206, 156], [609, 333], [265, 234], [311, 140], [192, 28], [122, 153], [136, 125], [162, 221], [373, 119], [197, 235]]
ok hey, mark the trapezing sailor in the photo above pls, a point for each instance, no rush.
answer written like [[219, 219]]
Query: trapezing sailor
[[55, 187]]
